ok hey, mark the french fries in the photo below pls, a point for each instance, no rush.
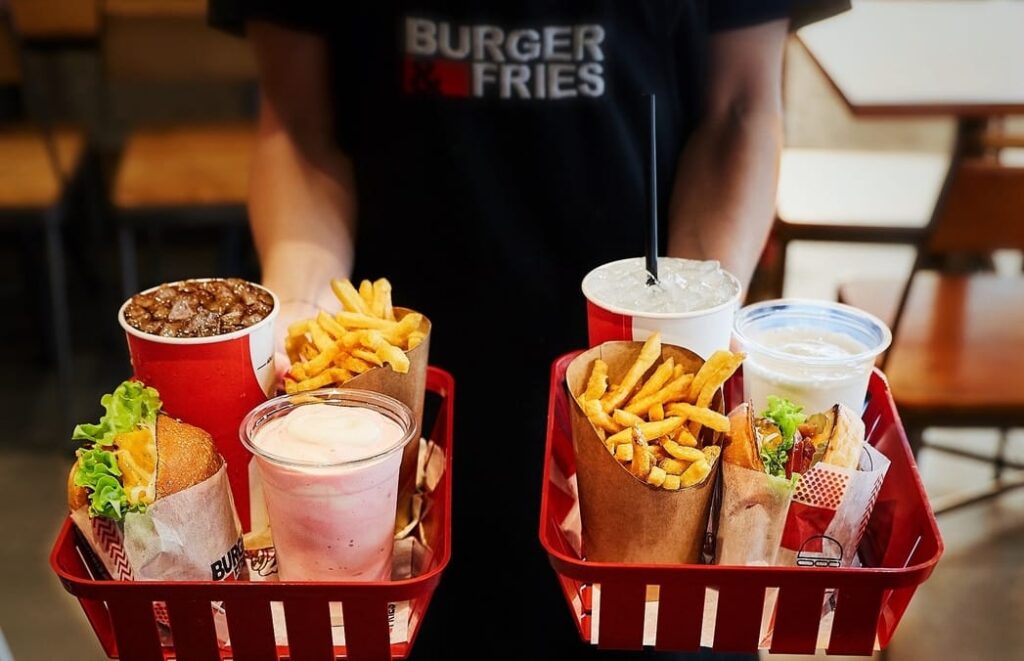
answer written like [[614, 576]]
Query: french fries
[[650, 421], [715, 372], [648, 354], [331, 349], [597, 385], [698, 414]]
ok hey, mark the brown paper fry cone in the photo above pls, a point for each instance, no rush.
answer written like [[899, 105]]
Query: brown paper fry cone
[[624, 519], [410, 389]]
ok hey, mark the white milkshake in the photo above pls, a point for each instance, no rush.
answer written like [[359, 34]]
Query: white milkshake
[[816, 354], [815, 388]]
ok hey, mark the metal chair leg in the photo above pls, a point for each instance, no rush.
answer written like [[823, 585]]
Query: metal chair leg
[[997, 487], [780, 282], [915, 435], [230, 257], [59, 303], [154, 262], [129, 259], [999, 462]]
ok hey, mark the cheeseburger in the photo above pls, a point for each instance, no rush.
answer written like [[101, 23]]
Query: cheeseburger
[[136, 455]]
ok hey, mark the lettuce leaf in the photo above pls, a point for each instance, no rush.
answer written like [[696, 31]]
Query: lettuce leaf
[[787, 415], [775, 458], [132, 403], [93, 464], [98, 472]]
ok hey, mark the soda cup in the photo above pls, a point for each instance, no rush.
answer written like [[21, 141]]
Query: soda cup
[[211, 382], [692, 306]]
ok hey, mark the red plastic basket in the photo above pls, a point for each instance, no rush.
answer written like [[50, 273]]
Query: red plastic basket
[[122, 614], [899, 551]]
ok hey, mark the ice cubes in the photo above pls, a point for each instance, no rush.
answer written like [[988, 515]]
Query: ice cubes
[[685, 285]]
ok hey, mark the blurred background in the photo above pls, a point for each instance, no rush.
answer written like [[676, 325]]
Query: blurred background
[[126, 128]]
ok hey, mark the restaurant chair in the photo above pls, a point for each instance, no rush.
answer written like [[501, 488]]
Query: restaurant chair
[[56, 20], [41, 165], [186, 172], [957, 356], [852, 196]]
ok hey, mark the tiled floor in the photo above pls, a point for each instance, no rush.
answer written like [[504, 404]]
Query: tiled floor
[[972, 608]]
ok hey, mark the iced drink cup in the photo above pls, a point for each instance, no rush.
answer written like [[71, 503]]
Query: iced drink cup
[[814, 353], [329, 461], [207, 345], [692, 305]]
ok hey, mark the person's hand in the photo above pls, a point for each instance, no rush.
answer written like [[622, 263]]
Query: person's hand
[[290, 312]]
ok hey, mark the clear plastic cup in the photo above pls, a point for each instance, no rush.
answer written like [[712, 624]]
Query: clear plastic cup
[[331, 521], [814, 353]]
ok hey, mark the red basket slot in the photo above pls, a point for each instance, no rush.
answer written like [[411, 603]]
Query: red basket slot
[[122, 615], [900, 549]]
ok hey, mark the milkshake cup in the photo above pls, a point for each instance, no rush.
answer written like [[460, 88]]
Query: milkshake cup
[[814, 353], [329, 462]]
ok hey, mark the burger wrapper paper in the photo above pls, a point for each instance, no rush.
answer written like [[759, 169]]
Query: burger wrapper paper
[[830, 510], [752, 516], [624, 519], [819, 521], [192, 535], [410, 389]]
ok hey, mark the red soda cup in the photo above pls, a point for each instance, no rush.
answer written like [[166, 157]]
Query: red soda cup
[[211, 382]]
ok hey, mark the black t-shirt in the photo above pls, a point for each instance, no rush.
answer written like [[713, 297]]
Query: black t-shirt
[[500, 151], [499, 148]]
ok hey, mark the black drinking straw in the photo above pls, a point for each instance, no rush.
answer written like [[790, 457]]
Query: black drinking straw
[[651, 244]]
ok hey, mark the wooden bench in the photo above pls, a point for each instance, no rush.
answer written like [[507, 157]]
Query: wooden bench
[[958, 349], [192, 171], [29, 180], [185, 165]]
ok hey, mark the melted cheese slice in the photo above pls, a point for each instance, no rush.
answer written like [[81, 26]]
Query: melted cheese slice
[[136, 457]]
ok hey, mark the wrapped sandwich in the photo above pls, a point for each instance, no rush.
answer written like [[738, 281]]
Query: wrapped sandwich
[[150, 494], [797, 488], [783, 442]]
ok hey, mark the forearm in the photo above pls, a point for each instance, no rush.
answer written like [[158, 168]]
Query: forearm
[[302, 212], [302, 202], [723, 197]]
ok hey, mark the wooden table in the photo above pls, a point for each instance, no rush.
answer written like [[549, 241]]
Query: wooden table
[[915, 58], [963, 59]]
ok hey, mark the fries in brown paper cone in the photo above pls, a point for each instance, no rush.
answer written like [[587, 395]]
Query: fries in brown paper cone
[[645, 481], [369, 345]]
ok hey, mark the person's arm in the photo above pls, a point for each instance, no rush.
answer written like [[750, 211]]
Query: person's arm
[[723, 197], [302, 201]]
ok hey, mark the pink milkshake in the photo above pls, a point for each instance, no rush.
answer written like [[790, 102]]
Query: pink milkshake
[[329, 462]]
